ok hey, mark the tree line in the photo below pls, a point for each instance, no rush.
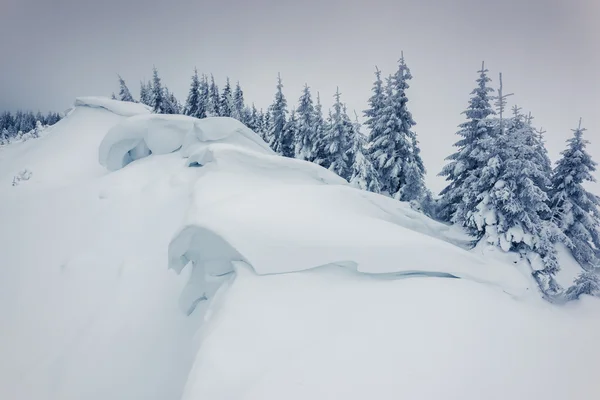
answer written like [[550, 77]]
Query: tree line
[[15, 126], [501, 187]]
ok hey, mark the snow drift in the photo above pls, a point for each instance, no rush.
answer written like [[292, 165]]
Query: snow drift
[[140, 136], [292, 283]]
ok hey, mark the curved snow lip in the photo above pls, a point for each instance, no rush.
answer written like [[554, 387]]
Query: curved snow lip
[[142, 135], [212, 258], [234, 158], [123, 108]]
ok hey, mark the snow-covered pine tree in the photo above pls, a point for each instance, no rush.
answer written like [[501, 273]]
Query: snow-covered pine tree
[[511, 200], [337, 138], [226, 105], [386, 139], [364, 175], [203, 98], [124, 93], [214, 99], [466, 160], [170, 104], [574, 209], [376, 105], [267, 126], [146, 93], [192, 104], [285, 144], [239, 107], [414, 175], [587, 282], [307, 135], [277, 139], [253, 121], [113, 96], [320, 145], [157, 94]]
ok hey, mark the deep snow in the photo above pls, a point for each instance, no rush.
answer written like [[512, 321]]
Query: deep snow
[[299, 285]]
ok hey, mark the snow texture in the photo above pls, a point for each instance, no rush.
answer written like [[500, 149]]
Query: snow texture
[[293, 284], [122, 108], [142, 135]]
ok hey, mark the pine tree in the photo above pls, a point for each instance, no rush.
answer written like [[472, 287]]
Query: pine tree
[[285, 145], [320, 152], [267, 126], [254, 122], [467, 160], [364, 175], [511, 201], [146, 93], [276, 134], [239, 107], [337, 137], [214, 99], [376, 105], [192, 104], [124, 93], [307, 134], [574, 209], [226, 102], [414, 175], [170, 105], [586, 283], [157, 93], [113, 96]]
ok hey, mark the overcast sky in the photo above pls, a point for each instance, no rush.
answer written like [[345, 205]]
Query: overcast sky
[[548, 51]]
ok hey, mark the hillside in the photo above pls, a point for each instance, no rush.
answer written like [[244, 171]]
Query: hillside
[[165, 257]]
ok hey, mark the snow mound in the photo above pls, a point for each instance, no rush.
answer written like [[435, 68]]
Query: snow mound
[[142, 135], [235, 159], [280, 215], [123, 108]]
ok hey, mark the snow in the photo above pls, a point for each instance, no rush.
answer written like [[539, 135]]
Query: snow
[[332, 334], [142, 135], [292, 283], [122, 108]]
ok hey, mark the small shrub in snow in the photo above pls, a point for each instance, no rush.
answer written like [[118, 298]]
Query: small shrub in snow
[[24, 175]]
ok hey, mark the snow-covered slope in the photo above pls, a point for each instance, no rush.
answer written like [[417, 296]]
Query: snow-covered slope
[[293, 284]]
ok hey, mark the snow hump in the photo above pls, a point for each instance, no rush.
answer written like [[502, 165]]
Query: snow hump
[[123, 108], [142, 135]]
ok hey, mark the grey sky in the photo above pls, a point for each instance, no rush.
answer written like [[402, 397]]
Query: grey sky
[[548, 50]]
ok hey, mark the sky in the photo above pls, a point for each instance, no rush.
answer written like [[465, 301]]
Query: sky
[[547, 50]]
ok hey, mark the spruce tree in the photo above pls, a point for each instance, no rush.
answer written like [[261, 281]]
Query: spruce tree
[[203, 98], [146, 93], [337, 138], [124, 93], [276, 134], [511, 201], [307, 134], [414, 175], [376, 105], [214, 99], [574, 209], [192, 104], [254, 121], [285, 144], [467, 159], [239, 107], [320, 151], [157, 94], [267, 123], [364, 175], [226, 101]]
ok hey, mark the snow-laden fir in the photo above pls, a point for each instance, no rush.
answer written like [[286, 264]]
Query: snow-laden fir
[[290, 283]]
